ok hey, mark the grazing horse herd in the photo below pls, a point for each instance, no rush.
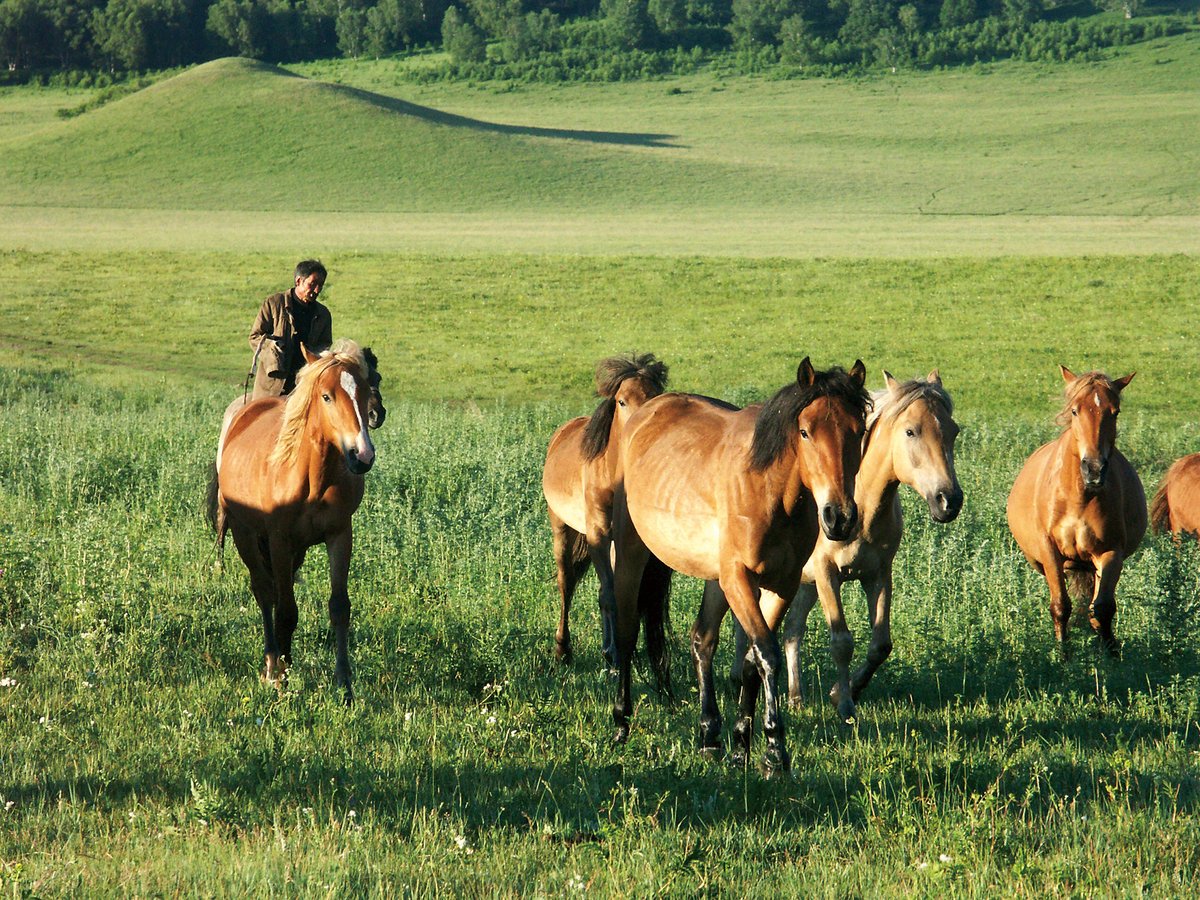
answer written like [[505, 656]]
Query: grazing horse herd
[[775, 506]]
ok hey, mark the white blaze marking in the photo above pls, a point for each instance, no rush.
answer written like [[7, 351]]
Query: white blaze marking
[[351, 388], [1096, 398]]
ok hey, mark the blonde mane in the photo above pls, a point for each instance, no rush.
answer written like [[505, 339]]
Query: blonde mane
[[888, 405], [299, 401]]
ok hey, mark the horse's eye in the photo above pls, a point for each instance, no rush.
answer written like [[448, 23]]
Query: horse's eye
[[804, 434], [327, 398], [1074, 410], [621, 403], [908, 432]]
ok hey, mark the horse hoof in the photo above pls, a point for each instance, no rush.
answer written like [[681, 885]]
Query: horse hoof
[[775, 763], [621, 735], [739, 759], [564, 654], [711, 753]]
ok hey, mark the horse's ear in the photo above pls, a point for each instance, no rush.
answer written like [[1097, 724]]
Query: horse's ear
[[309, 357], [892, 384], [1121, 383], [805, 373], [1067, 374], [858, 373], [934, 377]]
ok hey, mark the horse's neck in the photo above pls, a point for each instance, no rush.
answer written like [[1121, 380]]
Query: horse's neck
[[876, 485], [1069, 480]]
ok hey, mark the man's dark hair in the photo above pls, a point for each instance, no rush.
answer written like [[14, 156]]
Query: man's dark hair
[[307, 267]]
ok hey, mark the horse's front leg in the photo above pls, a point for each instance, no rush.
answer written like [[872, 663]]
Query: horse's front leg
[[569, 570], [841, 641], [743, 595], [1104, 600], [878, 588], [706, 633], [600, 550], [1060, 601], [339, 547], [283, 574]]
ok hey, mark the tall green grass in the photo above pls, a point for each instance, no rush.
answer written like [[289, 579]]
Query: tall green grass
[[143, 756]]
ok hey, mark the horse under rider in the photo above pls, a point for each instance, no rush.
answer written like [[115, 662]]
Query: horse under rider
[[284, 321]]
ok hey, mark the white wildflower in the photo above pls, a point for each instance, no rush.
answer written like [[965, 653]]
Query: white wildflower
[[945, 858], [8, 682]]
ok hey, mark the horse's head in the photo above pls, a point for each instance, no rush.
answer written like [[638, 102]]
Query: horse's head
[[624, 383], [920, 416], [376, 412], [1093, 404], [820, 418], [339, 399]]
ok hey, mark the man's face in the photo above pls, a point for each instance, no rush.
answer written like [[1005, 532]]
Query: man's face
[[309, 288]]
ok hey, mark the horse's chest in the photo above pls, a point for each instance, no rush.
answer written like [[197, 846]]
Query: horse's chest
[[1079, 537]]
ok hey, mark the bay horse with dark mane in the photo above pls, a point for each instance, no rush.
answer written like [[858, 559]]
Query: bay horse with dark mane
[[737, 496], [581, 473], [1077, 507], [290, 475], [909, 440], [1176, 505]]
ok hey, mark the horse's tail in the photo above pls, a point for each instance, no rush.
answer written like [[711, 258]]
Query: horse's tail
[[214, 513], [1160, 510], [1081, 585], [654, 611]]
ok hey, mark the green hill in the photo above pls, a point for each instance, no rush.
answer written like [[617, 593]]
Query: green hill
[[881, 166]]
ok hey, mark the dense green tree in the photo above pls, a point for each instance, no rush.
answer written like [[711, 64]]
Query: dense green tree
[[866, 19], [141, 34], [391, 25], [242, 26], [757, 22], [494, 15], [352, 31], [462, 40], [957, 12], [24, 32], [627, 22]]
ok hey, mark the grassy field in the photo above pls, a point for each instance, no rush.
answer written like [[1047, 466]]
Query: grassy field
[[1002, 159], [731, 226]]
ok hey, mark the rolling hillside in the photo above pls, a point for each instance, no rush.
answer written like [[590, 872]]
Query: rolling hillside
[[1010, 158]]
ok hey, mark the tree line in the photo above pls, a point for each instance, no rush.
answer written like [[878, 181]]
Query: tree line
[[555, 39]]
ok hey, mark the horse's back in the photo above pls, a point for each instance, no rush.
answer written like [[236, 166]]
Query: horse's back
[[562, 475], [1177, 503]]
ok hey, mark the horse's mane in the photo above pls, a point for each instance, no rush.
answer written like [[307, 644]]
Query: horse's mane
[[1089, 381], [611, 373], [887, 404], [776, 427], [300, 400]]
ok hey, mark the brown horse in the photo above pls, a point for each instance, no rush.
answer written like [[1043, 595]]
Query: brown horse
[[581, 472], [290, 475], [376, 413], [1077, 505], [736, 496], [910, 440], [1176, 506]]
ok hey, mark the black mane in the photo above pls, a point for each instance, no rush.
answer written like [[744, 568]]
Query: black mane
[[610, 374], [776, 427]]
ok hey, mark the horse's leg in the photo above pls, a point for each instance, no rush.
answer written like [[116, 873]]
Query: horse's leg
[[841, 641], [283, 571], [878, 588], [1104, 600], [795, 625], [631, 559], [740, 646], [339, 547], [743, 595], [1060, 602], [262, 585], [566, 541], [600, 551], [706, 632]]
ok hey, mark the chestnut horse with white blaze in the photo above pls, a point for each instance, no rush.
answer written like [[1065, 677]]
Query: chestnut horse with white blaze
[[1077, 507], [290, 475], [909, 440], [737, 496], [581, 473], [1176, 505]]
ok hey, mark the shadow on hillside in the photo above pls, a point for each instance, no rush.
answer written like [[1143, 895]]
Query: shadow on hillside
[[429, 114]]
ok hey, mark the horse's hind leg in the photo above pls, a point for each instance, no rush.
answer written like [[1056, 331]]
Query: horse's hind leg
[[1104, 601], [340, 547], [795, 626], [568, 549], [283, 571], [631, 559], [652, 604]]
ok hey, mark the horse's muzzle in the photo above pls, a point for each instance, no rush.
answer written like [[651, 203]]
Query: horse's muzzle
[[944, 506], [1093, 471], [376, 412], [837, 523], [359, 463]]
